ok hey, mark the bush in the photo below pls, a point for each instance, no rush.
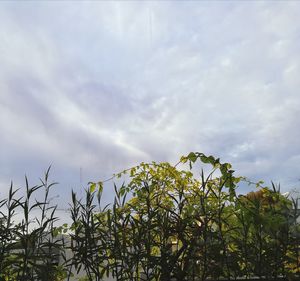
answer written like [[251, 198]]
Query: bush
[[164, 224]]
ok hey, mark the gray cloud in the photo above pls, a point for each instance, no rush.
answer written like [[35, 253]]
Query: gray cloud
[[102, 86]]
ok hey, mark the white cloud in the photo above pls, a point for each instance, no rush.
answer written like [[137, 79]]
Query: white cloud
[[106, 85]]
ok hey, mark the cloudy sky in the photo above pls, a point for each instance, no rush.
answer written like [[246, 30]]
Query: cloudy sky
[[101, 86]]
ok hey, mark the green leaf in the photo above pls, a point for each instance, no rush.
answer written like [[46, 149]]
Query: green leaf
[[183, 159], [92, 187], [100, 186], [192, 157]]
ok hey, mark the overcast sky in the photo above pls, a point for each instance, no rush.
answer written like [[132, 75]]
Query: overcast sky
[[101, 86]]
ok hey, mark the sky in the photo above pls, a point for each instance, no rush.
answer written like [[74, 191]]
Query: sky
[[92, 88]]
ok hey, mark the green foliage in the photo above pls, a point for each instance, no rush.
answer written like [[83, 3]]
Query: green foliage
[[167, 222], [28, 248]]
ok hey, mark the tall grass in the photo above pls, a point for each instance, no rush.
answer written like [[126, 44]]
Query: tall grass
[[29, 250], [164, 224]]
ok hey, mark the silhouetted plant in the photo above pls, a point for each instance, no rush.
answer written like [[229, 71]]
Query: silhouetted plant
[[168, 222], [28, 247], [89, 235]]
